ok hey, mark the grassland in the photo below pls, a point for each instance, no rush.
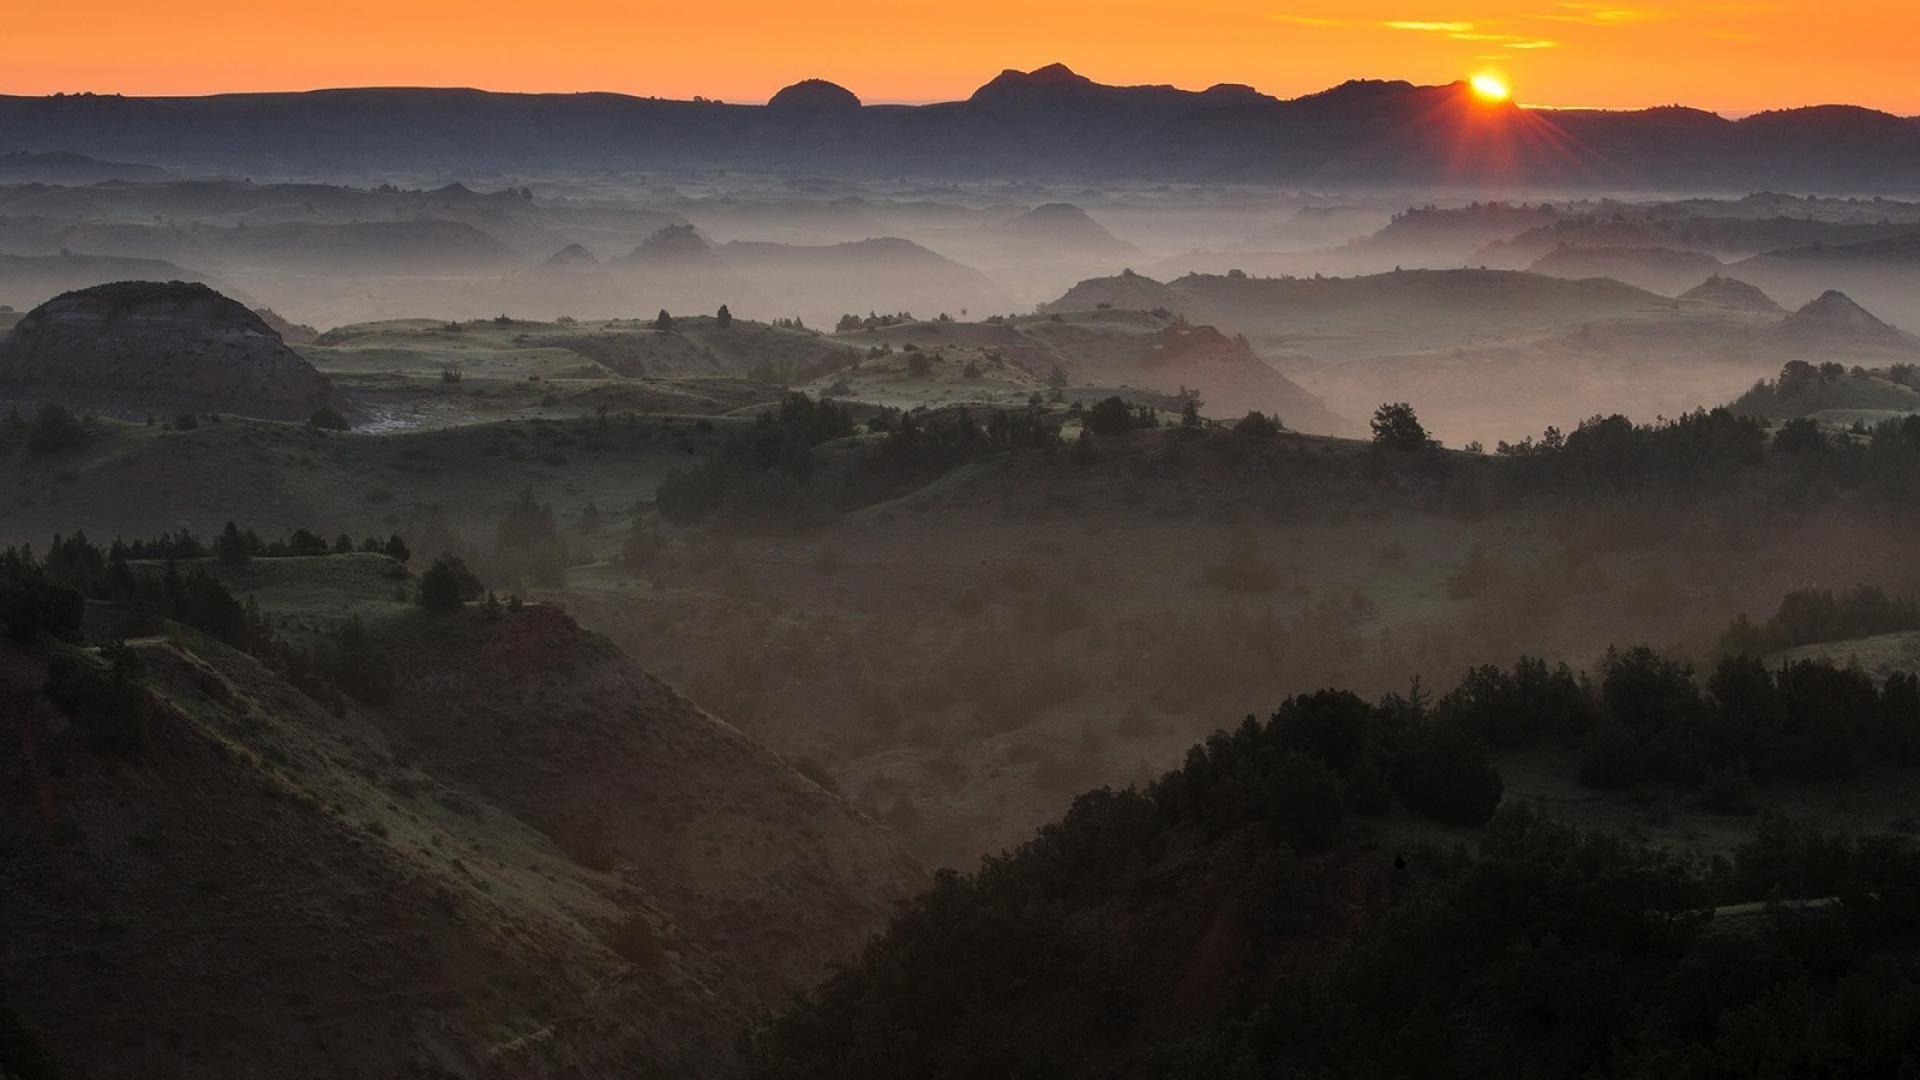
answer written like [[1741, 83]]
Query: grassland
[[140, 480]]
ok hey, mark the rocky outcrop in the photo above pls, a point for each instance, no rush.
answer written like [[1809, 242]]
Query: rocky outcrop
[[143, 348]]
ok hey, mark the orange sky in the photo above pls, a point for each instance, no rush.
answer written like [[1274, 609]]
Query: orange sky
[[1732, 56]]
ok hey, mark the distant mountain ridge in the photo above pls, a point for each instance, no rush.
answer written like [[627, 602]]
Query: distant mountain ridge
[[1047, 122]]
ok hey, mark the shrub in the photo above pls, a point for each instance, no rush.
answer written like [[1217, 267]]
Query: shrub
[[54, 429], [33, 604], [1113, 416], [1395, 427], [1083, 453], [1443, 773], [1334, 726], [448, 585], [1254, 424], [186, 421], [1304, 804], [328, 418], [110, 705], [231, 546]]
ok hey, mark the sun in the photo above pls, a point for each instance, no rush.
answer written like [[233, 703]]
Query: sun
[[1490, 88]]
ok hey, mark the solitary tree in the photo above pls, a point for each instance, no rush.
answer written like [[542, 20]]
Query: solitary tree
[[724, 318], [1397, 428], [663, 322], [231, 546], [448, 585], [54, 429]]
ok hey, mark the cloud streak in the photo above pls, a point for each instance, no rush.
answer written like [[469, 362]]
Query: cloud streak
[[1468, 31]]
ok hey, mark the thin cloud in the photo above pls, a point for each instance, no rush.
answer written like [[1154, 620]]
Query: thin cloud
[[1594, 14], [1538, 43], [1430, 27]]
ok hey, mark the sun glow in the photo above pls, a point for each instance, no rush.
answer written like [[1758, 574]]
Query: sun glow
[[1490, 88]]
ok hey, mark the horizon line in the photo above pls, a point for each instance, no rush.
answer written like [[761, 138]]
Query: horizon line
[[1726, 112]]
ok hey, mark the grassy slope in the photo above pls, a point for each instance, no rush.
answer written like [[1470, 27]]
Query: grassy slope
[[392, 371], [1099, 351], [270, 889], [133, 480], [451, 869]]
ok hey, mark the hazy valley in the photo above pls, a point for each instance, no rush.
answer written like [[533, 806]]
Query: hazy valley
[[684, 589]]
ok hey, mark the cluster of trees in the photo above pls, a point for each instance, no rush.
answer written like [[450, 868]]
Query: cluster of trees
[[1646, 717], [234, 546], [1710, 447], [770, 471], [448, 585], [110, 704], [1255, 424], [1325, 755], [1806, 720], [851, 322], [48, 599], [1112, 416], [775, 453], [1564, 953], [51, 430], [1802, 387], [1809, 616], [34, 603], [1614, 450], [1549, 952]]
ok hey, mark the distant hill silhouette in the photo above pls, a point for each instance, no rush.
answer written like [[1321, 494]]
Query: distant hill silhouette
[[64, 167], [1050, 121], [814, 95], [1832, 326], [571, 257], [26, 280], [1669, 271], [1722, 291], [1064, 225]]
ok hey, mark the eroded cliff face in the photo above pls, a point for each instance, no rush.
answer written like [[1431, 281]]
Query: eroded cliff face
[[138, 348]]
